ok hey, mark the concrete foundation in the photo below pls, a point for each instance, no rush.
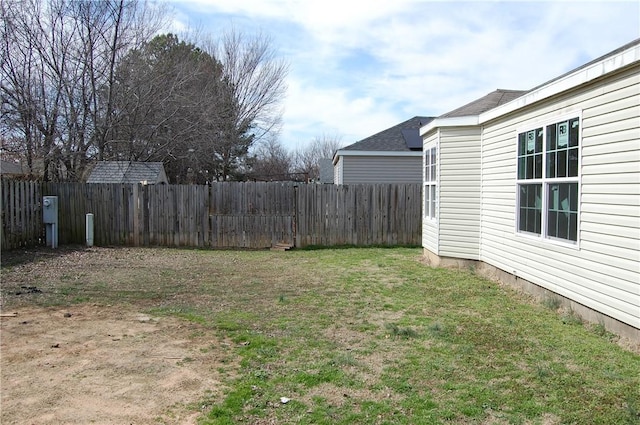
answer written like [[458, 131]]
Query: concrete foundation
[[493, 273]]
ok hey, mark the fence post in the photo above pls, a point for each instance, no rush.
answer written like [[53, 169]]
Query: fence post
[[89, 229]]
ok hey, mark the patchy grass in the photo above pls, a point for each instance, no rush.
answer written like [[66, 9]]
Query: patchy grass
[[357, 336], [552, 303]]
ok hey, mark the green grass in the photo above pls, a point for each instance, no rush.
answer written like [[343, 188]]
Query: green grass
[[361, 336]]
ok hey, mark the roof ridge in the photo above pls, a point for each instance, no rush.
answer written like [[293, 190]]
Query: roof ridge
[[390, 139], [484, 103]]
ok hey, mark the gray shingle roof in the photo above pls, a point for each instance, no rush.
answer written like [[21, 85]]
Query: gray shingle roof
[[485, 103], [128, 172], [390, 139]]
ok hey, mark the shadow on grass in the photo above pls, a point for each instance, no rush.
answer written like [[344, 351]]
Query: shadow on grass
[[17, 257], [336, 247]]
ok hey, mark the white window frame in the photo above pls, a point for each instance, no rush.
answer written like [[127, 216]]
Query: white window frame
[[545, 182], [430, 175]]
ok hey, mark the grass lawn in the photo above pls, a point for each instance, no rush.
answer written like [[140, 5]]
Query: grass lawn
[[358, 336]]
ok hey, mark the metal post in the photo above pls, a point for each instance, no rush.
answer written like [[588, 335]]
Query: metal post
[[89, 229]]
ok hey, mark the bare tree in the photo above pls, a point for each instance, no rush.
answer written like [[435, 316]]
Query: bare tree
[[257, 78], [57, 69], [83, 80], [109, 30], [271, 161], [307, 158], [31, 91]]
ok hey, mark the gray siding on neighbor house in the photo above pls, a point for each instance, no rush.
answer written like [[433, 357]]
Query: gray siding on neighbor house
[[381, 169], [602, 272], [459, 188]]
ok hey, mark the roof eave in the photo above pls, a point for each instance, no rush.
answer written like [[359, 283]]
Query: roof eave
[[345, 152], [568, 82], [469, 120]]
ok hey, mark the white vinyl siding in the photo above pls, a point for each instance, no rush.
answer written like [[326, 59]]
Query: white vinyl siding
[[459, 192], [337, 171], [603, 273], [381, 169]]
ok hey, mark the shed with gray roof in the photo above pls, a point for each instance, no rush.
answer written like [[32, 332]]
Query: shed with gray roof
[[12, 169], [129, 172]]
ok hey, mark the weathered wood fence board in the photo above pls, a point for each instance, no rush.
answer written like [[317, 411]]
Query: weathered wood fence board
[[21, 214], [223, 215]]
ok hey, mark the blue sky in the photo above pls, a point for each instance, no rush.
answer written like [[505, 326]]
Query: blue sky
[[359, 67]]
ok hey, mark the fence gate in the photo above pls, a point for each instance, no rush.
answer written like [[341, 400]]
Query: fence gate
[[251, 215]]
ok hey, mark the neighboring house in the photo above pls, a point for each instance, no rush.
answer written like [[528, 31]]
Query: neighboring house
[[128, 172], [543, 191], [390, 156], [12, 169]]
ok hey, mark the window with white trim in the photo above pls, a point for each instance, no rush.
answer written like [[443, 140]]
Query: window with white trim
[[548, 181], [430, 182]]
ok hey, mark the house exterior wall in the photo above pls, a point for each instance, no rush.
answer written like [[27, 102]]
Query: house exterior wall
[[459, 188], [601, 271], [337, 171], [380, 169], [456, 231]]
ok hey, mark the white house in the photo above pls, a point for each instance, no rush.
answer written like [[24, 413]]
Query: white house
[[543, 191]]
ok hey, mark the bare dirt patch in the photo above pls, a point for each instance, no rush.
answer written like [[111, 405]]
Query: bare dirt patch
[[107, 365]]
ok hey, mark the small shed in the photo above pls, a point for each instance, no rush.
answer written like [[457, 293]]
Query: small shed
[[12, 169], [130, 172]]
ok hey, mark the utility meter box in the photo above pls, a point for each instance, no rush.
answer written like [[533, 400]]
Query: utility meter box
[[50, 210], [50, 219]]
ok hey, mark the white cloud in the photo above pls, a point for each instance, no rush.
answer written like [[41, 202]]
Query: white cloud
[[311, 112], [312, 14], [357, 68]]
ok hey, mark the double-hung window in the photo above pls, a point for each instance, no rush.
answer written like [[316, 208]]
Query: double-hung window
[[430, 182], [548, 181]]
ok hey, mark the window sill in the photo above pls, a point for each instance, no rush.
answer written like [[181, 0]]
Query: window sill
[[551, 241]]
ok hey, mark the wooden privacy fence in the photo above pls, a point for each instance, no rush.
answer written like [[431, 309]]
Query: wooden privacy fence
[[20, 214], [223, 215]]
